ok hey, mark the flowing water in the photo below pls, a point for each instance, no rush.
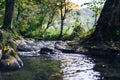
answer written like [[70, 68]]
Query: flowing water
[[64, 67], [55, 67], [78, 67]]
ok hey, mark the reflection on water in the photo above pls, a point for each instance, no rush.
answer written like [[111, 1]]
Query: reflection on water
[[62, 67], [109, 68], [35, 68], [78, 67]]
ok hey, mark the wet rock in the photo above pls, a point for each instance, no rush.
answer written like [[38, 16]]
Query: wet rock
[[10, 63], [22, 45], [29, 53], [10, 60], [0, 53], [55, 51], [30, 41], [81, 50], [24, 48], [62, 46], [48, 44], [46, 50], [32, 48], [25, 45], [19, 60]]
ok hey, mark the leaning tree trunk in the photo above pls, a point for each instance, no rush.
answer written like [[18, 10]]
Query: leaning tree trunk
[[108, 25], [9, 10]]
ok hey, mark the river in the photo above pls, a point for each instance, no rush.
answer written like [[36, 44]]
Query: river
[[66, 66], [54, 67]]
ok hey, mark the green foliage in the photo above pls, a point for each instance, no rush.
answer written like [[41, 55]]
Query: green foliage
[[23, 26], [78, 32], [7, 38], [96, 6], [12, 53], [33, 19], [2, 5], [32, 15], [9, 53]]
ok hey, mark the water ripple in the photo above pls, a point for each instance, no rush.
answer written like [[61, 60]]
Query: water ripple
[[78, 67]]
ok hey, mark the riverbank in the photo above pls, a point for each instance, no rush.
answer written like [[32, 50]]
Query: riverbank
[[78, 63], [109, 50], [31, 47]]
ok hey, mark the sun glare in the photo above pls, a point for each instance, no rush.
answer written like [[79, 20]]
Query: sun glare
[[80, 2]]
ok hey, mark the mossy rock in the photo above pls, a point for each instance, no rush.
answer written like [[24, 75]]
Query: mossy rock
[[0, 53], [9, 64], [10, 61], [7, 38]]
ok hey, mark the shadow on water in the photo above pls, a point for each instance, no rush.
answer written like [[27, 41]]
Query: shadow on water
[[35, 68], [109, 68], [62, 67], [65, 67]]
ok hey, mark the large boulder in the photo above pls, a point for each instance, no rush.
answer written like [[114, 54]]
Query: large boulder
[[10, 63], [10, 60], [26, 45], [22, 45]]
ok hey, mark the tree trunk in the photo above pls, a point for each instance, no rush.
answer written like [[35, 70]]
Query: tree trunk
[[50, 19], [19, 12], [63, 15], [61, 29], [108, 25], [9, 10]]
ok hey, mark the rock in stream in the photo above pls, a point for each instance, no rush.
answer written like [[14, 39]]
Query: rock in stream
[[33, 48]]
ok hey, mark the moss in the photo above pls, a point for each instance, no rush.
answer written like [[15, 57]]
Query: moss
[[7, 38], [12, 53]]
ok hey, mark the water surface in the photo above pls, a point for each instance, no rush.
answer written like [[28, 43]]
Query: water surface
[[55, 67]]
